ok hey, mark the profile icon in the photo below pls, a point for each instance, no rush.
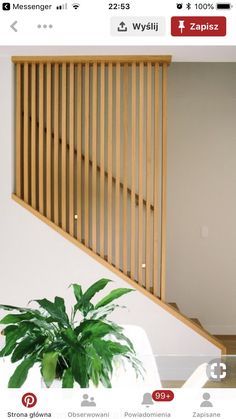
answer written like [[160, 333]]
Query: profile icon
[[206, 402], [86, 402]]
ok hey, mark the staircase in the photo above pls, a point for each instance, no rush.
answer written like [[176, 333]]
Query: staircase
[[91, 153]]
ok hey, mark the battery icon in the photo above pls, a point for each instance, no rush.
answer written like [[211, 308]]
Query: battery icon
[[223, 6]]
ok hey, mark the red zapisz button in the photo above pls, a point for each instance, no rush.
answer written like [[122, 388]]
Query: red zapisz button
[[198, 26]]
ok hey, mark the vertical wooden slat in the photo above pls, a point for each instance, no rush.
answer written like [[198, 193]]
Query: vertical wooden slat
[[164, 173], [56, 144], [140, 177], [64, 138], [86, 156], [71, 153], [18, 178], [148, 176], [41, 138], [48, 144], [117, 201], [94, 161], [125, 168], [110, 168], [133, 178], [79, 151], [26, 133], [102, 158], [33, 135], [156, 175]]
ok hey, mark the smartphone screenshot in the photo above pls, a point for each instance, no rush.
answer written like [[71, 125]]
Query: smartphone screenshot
[[117, 209]]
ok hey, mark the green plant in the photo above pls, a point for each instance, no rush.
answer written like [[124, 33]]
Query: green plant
[[82, 348]]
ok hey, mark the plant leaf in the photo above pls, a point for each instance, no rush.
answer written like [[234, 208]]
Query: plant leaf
[[84, 305], [21, 372], [77, 292], [9, 329], [79, 369], [94, 329], [26, 346], [49, 365], [102, 312], [16, 318], [9, 346], [96, 287], [101, 348], [105, 380], [11, 308], [116, 348], [56, 309], [12, 337], [68, 379], [117, 293], [35, 313], [71, 339], [94, 365]]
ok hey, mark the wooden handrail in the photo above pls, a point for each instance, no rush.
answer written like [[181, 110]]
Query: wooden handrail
[[122, 59]]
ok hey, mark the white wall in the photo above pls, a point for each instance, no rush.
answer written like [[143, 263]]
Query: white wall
[[201, 192], [35, 261]]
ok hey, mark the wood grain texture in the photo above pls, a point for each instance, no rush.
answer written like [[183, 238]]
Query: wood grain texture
[[164, 179], [117, 177], [72, 151], [125, 168], [56, 145], [64, 149], [48, 143], [86, 155], [156, 289], [79, 152], [102, 160], [41, 139], [133, 175], [94, 157], [26, 133], [33, 138], [105, 59], [140, 176], [18, 126], [110, 165], [148, 177]]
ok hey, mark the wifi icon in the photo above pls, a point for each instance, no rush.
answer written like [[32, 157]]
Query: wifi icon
[[76, 5]]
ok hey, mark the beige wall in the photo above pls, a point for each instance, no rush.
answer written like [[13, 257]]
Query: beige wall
[[202, 192], [36, 262]]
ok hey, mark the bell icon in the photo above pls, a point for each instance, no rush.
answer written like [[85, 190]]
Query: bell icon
[[147, 399]]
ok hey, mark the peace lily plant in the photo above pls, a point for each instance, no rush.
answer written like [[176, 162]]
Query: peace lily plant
[[82, 348]]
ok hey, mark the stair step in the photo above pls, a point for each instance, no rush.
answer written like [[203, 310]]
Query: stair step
[[197, 322], [175, 306]]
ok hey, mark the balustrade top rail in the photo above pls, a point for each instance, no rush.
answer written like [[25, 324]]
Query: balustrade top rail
[[122, 59]]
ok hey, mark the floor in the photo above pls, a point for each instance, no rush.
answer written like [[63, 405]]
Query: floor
[[230, 343], [230, 381]]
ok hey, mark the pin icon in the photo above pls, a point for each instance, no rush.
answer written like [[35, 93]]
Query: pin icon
[[181, 25]]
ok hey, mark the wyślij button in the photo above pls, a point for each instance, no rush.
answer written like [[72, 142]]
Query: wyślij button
[[138, 26]]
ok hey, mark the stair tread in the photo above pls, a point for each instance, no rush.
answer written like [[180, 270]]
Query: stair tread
[[174, 305], [195, 320]]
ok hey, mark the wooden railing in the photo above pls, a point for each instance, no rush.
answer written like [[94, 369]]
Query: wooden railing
[[91, 155]]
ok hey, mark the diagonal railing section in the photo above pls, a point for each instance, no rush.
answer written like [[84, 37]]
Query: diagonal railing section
[[91, 155]]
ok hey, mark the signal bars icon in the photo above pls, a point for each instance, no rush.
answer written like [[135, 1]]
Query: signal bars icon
[[62, 7]]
